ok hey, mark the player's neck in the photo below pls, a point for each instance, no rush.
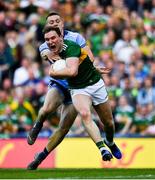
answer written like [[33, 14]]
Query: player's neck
[[61, 47]]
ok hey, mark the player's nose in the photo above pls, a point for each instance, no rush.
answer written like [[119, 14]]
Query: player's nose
[[51, 42], [55, 24]]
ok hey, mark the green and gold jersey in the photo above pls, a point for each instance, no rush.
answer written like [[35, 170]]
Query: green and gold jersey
[[87, 73]]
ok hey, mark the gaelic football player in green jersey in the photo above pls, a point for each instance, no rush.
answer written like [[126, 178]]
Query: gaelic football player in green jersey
[[86, 85]]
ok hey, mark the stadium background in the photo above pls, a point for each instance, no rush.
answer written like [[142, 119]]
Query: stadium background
[[121, 35]]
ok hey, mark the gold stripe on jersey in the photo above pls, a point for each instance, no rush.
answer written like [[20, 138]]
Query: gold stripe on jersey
[[83, 55]]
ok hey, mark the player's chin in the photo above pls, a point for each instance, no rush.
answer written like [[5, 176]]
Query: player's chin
[[55, 50]]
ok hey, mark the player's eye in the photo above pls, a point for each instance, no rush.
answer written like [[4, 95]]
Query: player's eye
[[57, 21], [53, 37], [51, 22]]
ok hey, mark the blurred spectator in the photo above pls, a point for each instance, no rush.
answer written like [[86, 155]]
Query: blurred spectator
[[34, 33], [7, 85], [8, 122], [142, 70], [12, 40], [120, 70], [5, 100], [153, 7], [128, 91], [11, 20], [144, 117], [146, 48], [142, 6], [114, 88], [96, 36], [131, 4], [125, 47], [67, 11], [33, 77], [6, 60], [105, 50], [38, 97], [124, 116], [24, 111], [152, 72], [30, 6], [146, 94], [135, 83], [150, 131], [3, 26], [21, 74]]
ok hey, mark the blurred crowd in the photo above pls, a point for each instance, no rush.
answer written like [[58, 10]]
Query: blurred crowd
[[121, 34]]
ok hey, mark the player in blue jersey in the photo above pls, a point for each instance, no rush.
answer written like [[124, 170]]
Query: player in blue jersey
[[59, 94]]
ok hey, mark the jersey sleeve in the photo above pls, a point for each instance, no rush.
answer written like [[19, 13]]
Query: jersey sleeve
[[74, 51], [43, 46], [80, 40]]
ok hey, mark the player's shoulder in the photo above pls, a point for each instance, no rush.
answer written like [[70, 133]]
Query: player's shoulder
[[68, 32], [73, 34], [70, 43], [43, 46], [76, 37]]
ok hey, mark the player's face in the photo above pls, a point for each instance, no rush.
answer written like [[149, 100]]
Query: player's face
[[55, 21], [54, 41]]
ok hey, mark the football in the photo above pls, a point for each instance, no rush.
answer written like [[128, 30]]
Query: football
[[59, 64]]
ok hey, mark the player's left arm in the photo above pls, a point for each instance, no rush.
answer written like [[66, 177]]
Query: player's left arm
[[102, 70], [89, 52], [71, 69], [82, 42]]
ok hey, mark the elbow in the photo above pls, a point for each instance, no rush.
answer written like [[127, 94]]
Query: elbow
[[73, 73], [50, 74]]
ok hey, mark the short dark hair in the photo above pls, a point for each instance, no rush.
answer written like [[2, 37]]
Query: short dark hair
[[49, 28], [52, 13]]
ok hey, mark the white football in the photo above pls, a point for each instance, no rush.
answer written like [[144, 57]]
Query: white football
[[59, 64]]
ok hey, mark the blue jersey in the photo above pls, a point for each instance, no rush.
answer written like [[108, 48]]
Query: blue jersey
[[68, 35]]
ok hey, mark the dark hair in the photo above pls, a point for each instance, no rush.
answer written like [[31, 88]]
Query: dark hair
[[49, 28], [52, 13]]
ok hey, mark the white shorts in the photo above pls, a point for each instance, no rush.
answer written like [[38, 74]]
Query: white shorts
[[97, 92]]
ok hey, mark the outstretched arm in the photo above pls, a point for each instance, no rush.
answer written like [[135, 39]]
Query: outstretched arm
[[102, 70]]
